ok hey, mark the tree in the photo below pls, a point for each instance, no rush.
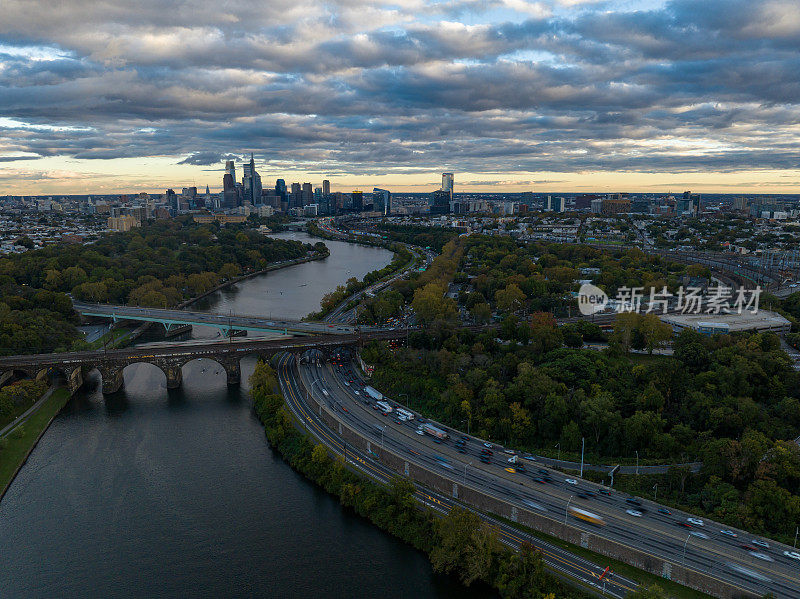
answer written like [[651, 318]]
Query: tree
[[509, 299], [655, 331]]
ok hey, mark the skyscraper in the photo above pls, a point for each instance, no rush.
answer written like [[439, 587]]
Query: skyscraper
[[230, 169], [326, 187], [447, 182], [307, 194], [357, 198], [296, 200], [251, 181], [382, 201]]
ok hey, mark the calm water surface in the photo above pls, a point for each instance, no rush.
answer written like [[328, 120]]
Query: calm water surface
[[150, 493]]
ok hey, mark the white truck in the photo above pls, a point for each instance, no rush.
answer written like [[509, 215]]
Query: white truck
[[373, 393], [384, 407], [404, 414]]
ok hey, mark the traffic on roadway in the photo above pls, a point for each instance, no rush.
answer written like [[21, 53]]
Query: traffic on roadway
[[735, 557], [561, 561]]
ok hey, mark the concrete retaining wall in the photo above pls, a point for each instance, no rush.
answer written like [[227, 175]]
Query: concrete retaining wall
[[487, 503]]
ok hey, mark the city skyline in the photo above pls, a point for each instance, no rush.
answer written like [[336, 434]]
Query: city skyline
[[552, 96]]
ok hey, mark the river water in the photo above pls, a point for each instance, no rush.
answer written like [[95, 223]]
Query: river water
[[150, 493]]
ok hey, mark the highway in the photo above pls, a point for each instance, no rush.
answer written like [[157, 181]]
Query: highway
[[563, 563], [662, 535]]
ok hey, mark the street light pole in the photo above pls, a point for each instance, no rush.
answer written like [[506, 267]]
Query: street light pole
[[583, 446], [637, 463], [655, 492], [566, 510], [796, 530], [558, 446], [689, 536], [312, 389], [464, 484], [383, 429]]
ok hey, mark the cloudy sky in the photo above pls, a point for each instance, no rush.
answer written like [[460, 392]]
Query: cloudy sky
[[571, 95]]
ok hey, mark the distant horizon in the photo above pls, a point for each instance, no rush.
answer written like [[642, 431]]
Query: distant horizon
[[585, 95]]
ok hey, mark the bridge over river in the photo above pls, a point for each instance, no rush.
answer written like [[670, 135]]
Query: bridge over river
[[172, 358], [227, 324]]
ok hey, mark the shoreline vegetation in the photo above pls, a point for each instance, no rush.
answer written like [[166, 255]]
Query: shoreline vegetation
[[19, 443], [458, 544], [160, 264], [331, 300]]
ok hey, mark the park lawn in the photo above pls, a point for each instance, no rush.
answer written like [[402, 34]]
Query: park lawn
[[14, 449]]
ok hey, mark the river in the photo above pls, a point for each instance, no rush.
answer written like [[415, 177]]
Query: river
[[149, 493]]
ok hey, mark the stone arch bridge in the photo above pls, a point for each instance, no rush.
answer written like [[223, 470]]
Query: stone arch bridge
[[171, 358]]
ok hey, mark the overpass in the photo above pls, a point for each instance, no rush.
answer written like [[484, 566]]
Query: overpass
[[226, 324], [172, 358]]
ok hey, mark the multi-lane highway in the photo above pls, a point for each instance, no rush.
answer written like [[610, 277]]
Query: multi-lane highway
[[562, 562], [660, 532]]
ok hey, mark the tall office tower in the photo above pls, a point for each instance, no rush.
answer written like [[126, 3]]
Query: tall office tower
[[326, 187], [230, 169], [357, 198], [251, 181], [228, 182], [382, 201], [173, 201], [440, 201], [280, 190], [208, 192], [296, 200], [308, 194], [447, 182], [317, 195]]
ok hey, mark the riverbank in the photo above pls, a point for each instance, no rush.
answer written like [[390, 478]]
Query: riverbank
[[457, 544], [20, 442]]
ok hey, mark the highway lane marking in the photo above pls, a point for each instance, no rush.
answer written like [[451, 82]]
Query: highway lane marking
[[623, 542], [553, 557]]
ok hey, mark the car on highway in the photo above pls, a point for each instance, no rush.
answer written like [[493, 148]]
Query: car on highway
[[683, 524], [510, 451], [420, 431], [635, 513], [695, 521], [604, 491], [633, 501], [760, 543], [539, 479], [762, 556], [485, 459], [792, 554], [462, 450], [486, 452], [487, 445], [570, 481], [747, 547], [665, 511], [699, 534], [347, 383], [728, 533]]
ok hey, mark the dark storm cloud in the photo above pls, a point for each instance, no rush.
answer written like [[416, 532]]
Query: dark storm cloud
[[375, 87]]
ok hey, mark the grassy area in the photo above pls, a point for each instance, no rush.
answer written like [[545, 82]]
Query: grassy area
[[112, 339], [673, 589], [14, 448]]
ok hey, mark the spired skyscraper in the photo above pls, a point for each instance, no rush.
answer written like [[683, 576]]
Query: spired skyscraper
[[251, 181]]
